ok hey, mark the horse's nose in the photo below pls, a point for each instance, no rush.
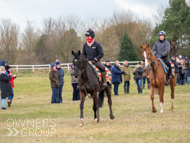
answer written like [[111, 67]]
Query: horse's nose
[[76, 76]]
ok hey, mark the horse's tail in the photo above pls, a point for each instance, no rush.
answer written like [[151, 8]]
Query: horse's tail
[[101, 98]]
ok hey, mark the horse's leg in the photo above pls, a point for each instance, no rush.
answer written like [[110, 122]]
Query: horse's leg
[[82, 99], [107, 90], [172, 86], [152, 98], [95, 108], [161, 99]]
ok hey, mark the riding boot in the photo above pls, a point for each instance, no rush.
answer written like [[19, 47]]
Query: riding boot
[[143, 86], [138, 90], [127, 89], [104, 79], [141, 90], [148, 85]]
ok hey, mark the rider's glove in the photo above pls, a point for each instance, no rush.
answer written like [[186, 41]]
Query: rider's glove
[[159, 56]]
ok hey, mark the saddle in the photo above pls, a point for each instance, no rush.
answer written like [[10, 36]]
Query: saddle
[[166, 68], [98, 73]]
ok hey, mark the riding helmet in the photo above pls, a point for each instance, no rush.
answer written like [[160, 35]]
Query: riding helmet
[[162, 33], [90, 33]]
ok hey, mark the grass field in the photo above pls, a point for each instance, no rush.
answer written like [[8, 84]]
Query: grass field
[[39, 121]]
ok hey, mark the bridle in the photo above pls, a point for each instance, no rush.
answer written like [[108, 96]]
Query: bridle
[[152, 65]]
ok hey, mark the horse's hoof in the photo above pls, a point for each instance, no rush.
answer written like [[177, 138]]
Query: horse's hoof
[[81, 122], [172, 110], [154, 110], [95, 121], [112, 117], [161, 111]]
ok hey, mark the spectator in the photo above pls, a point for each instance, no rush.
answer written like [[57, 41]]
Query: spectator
[[74, 82], [54, 81], [60, 73], [3, 63], [181, 72], [6, 90], [185, 70], [10, 98], [116, 76], [178, 76], [126, 77], [173, 60], [107, 65], [138, 72], [145, 75], [188, 73]]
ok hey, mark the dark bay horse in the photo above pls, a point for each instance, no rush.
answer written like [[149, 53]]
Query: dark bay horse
[[89, 83], [157, 77]]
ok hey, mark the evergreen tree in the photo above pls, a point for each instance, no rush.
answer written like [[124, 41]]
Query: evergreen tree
[[127, 50], [176, 24]]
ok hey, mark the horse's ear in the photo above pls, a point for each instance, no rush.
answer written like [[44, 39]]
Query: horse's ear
[[79, 52], [73, 53], [142, 47], [148, 45]]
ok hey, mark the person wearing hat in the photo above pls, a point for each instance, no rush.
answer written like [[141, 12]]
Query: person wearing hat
[[54, 81], [173, 60], [107, 65], [138, 76], [161, 49], [60, 73], [92, 51], [10, 98]]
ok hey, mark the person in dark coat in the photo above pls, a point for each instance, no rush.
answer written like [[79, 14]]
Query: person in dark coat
[[138, 76], [60, 73], [116, 76], [74, 82], [161, 49], [188, 73], [107, 65], [54, 81], [6, 89], [173, 60], [92, 51]]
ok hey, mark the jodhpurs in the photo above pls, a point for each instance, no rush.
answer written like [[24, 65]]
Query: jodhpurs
[[100, 66]]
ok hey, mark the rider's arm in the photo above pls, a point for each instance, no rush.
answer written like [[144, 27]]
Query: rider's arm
[[84, 51], [154, 49], [100, 52], [167, 49]]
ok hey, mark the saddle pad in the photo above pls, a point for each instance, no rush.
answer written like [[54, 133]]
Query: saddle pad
[[167, 68], [164, 66], [98, 73]]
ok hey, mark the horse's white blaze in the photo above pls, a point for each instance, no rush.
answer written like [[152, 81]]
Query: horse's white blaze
[[146, 61], [161, 107], [75, 60]]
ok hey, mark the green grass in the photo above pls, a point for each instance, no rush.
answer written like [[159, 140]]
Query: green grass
[[134, 120]]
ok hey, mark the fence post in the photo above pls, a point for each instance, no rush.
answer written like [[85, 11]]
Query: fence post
[[17, 68], [33, 68]]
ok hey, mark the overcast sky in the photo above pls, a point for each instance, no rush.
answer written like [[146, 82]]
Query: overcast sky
[[19, 11]]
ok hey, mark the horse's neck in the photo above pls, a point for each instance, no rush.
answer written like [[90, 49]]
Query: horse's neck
[[153, 58]]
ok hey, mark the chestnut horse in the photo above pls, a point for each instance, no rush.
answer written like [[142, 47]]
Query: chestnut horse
[[157, 77]]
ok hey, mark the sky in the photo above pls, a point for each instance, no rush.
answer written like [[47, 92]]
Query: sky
[[21, 11]]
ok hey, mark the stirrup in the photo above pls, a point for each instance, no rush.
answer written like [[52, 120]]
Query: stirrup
[[170, 76], [104, 84]]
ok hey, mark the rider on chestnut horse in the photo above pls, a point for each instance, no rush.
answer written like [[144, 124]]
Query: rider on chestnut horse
[[92, 51], [161, 49]]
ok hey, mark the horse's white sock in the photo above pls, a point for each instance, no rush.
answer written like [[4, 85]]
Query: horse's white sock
[[161, 107]]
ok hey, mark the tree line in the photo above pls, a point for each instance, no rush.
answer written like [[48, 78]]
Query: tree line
[[120, 35]]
